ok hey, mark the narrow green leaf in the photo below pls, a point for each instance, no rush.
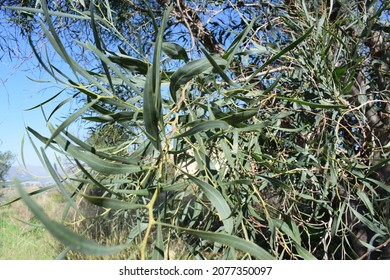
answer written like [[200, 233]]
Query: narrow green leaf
[[136, 231], [59, 105], [158, 251], [379, 184], [58, 180], [217, 200], [282, 52], [61, 50], [230, 240], [46, 101], [227, 152], [40, 11], [40, 60], [92, 181], [275, 182], [237, 118], [130, 63], [304, 254], [174, 51], [93, 161], [218, 69], [239, 182], [38, 191], [289, 129], [284, 227], [131, 159], [207, 125], [380, 164], [98, 42], [123, 116], [112, 203], [371, 225], [363, 197], [102, 56], [231, 51], [190, 71], [151, 14], [53, 36], [294, 234], [157, 58], [311, 104], [64, 235], [152, 92], [70, 120], [151, 113]]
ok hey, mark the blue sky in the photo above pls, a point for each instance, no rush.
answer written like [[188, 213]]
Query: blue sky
[[17, 94]]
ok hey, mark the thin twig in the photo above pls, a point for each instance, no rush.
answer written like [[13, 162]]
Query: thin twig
[[374, 249]]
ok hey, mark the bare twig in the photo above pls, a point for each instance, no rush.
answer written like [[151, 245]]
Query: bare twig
[[374, 249]]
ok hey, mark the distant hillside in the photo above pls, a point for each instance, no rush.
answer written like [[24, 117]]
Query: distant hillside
[[36, 174]]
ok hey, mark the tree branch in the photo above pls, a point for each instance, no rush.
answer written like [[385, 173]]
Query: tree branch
[[190, 18]]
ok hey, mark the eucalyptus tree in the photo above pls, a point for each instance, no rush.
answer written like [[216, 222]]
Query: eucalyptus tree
[[253, 130]]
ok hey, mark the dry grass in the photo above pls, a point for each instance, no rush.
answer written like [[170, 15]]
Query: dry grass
[[21, 235]]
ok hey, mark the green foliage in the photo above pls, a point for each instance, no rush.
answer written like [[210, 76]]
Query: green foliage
[[22, 237], [6, 161], [267, 149]]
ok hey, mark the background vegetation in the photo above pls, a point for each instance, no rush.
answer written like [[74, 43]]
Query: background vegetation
[[6, 161], [22, 236], [238, 129]]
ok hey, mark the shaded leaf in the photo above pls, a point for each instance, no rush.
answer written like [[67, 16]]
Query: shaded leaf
[[151, 112], [230, 240], [313, 105], [190, 71], [112, 203], [203, 127], [218, 201], [174, 51], [130, 63]]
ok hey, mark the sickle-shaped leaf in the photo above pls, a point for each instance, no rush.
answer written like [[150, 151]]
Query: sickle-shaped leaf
[[313, 105], [281, 53], [122, 116], [65, 235], [191, 70], [217, 200], [229, 240], [112, 203], [203, 127], [237, 118], [152, 92], [130, 63], [93, 161], [174, 51], [275, 182], [69, 121], [158, 251], [218, 69], [151, 113]]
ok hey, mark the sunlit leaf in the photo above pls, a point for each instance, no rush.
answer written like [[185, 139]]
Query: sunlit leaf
[[65, 235]]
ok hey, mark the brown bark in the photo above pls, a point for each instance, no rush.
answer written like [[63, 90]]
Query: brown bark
[[190, 18]]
